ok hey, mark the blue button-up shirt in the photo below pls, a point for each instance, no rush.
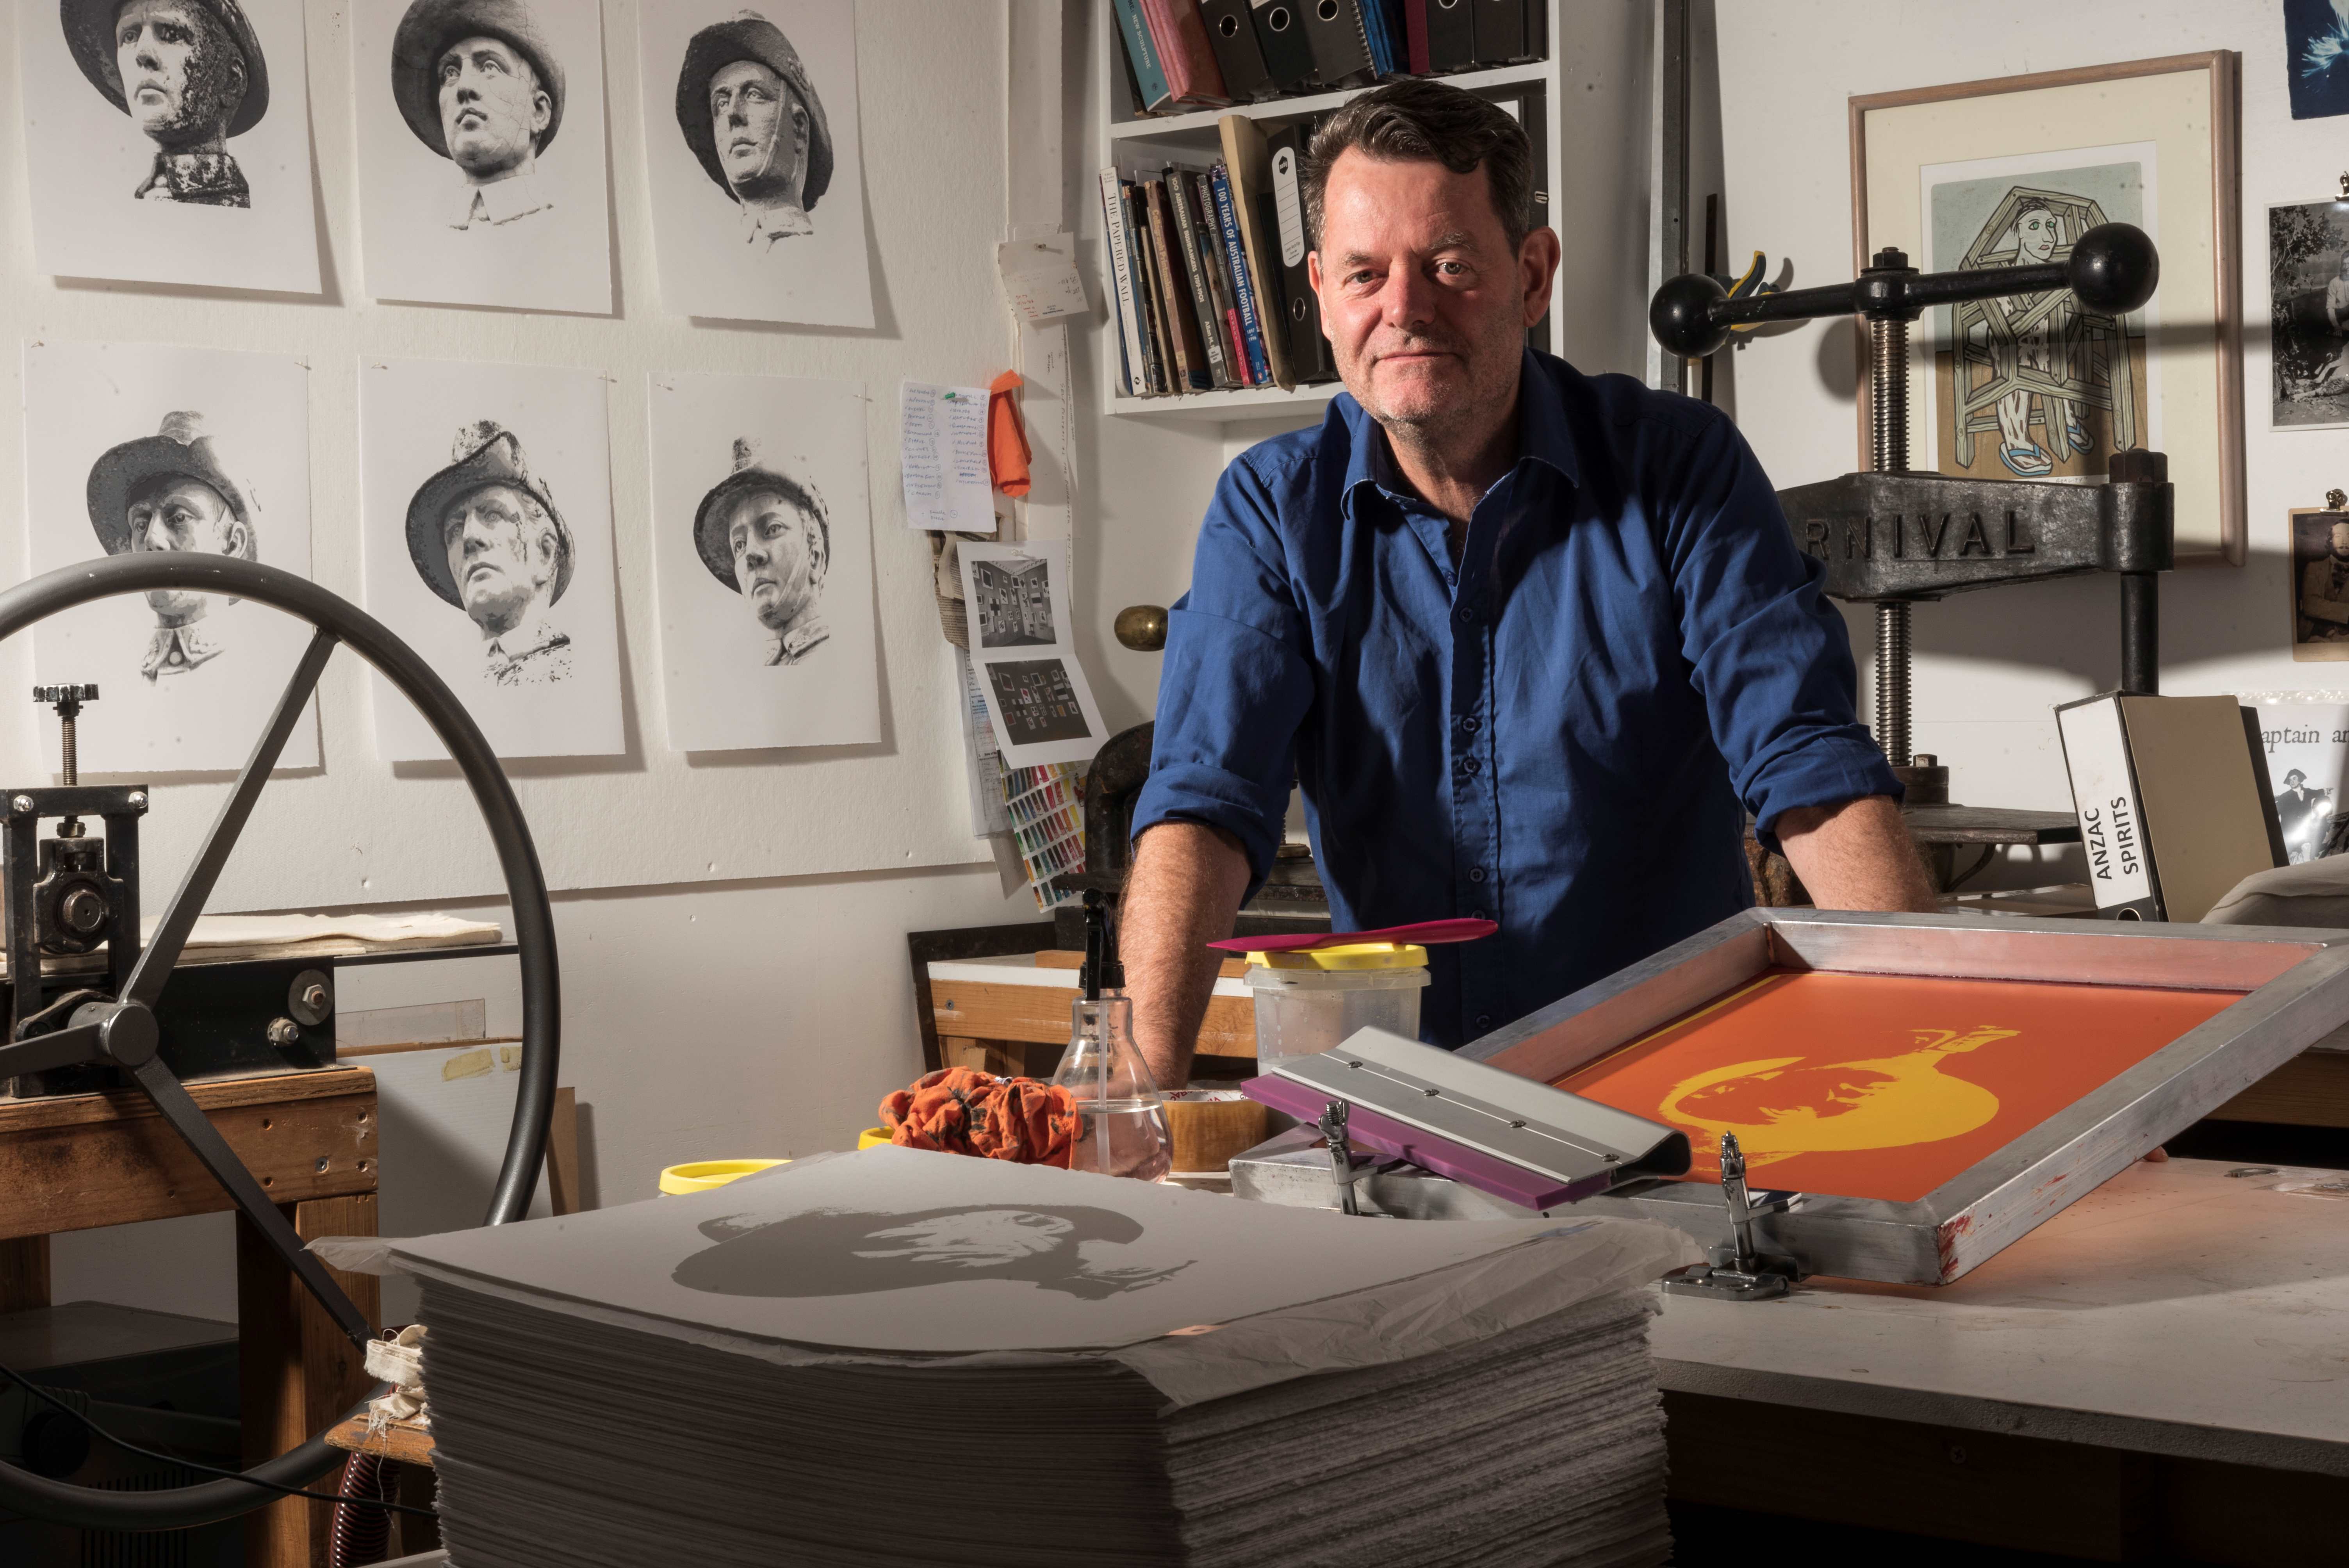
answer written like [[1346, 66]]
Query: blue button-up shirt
[[1562, 731]]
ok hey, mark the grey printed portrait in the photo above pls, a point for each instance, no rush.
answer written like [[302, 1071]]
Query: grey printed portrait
[[765, 533], [485, 535], [189, 73], [752, 117], [479, 85], [173, 492], [832, 1252]]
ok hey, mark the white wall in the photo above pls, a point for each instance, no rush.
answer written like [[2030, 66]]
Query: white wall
[[1989, 665]]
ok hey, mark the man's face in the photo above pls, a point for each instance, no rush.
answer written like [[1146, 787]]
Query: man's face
[[761, 128], [501, 557], [2034, 236], [181, 513], [779, 557], [181, 76], [2341, 542], [1423, 301], [492, 109], [991, 1238]]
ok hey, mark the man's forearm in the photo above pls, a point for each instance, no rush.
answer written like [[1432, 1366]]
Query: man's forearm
[[1858, 855], [1184, 892]]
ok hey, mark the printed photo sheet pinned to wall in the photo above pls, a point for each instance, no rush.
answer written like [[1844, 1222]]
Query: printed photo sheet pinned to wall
[[169, 141], [481, 167], [751, 141], [138, 448], [1023, 642], [762, 557], [487, 540]]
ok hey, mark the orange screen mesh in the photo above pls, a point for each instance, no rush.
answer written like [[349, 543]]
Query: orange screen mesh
[[1873, 1086]]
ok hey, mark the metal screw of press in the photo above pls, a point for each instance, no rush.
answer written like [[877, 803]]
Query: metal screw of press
[[68, 701], [1888, 401]]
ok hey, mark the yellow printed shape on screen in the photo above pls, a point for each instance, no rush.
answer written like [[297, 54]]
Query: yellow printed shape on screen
[[1778, 1107]]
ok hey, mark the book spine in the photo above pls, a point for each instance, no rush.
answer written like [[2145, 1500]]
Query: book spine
[[1206, 235], [1202, 299], [1121, 269], [1148, 74], [1415, 23], [1154, 334], [1182, 327], [1189, 59], [2112, 815], [1243, 287], [1162, 358]]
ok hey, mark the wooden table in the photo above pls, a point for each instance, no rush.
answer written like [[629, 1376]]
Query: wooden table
[[76, 1163], [2160, 1371], [1011, 1015]]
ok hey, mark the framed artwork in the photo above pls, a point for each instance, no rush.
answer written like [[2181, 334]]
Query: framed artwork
[[2319, 581], [2012, 171]]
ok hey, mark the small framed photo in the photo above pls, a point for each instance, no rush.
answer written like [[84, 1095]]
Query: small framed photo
[[2012, 171], [2320, 581], [2308, 305]]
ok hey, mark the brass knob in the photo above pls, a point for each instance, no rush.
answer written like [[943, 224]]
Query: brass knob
[[1142, 628]]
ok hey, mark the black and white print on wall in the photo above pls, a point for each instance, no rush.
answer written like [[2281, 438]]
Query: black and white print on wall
[[481, 167], [763, 556], [752, 137], [132, 449], [488, 546], [168, 141]]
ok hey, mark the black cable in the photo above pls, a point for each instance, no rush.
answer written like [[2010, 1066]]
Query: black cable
[[37, 1392]]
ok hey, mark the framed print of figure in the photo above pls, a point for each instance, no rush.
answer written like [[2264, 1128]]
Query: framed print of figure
[[2011, 173]]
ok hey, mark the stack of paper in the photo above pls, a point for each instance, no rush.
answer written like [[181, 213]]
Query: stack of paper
[[901, 1357]]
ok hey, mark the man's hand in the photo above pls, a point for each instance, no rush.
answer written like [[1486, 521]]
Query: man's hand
[[1858, 855], [1184, 892]]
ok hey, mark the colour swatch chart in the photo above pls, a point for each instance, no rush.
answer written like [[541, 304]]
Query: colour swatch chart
[[1047, 808]]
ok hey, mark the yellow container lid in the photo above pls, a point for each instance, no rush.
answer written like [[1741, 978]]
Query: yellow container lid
[[704, 1175], [1347, 955], [874, 1137]]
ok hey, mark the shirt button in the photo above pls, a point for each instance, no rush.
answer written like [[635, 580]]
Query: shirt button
[[1483, 1022], [1478, 915], [1472, 723], [1469, 765], [1467, 614], [1476, 873]]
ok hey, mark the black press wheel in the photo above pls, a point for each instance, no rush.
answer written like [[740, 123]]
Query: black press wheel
[[122, 1031]]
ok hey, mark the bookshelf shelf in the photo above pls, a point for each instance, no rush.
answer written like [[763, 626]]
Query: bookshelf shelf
[[1137, 145]]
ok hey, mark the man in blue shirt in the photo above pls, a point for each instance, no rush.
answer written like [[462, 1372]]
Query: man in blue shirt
[[1532, 641]]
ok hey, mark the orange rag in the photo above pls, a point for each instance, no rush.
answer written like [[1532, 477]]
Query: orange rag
[[1006, 437], [964, 1111]]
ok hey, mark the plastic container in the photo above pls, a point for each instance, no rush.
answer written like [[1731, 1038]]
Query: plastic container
[[1310, 999], [705, 1174]]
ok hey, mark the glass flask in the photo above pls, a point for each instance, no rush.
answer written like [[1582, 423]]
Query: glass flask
[[1120, 1116]]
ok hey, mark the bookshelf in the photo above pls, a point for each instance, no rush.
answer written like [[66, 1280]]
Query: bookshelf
[[1139, 144]]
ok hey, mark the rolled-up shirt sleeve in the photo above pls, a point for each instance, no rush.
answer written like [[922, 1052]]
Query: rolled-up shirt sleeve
[[1766, 648], [1234, 685]]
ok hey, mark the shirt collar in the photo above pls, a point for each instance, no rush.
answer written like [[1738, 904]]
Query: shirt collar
[[773, 223], [499, 201], [792, 645], [531, 636], [1543, 435], [174, 650]]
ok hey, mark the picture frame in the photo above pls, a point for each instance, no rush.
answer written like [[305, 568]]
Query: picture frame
[[2013, 169], [2308, 314], [2317, 638]]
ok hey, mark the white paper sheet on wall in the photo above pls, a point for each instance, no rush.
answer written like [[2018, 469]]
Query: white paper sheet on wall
[[114, 196], [1016, 597], [458, 464], [1039, 278], [762, 561], [465, 204], [139, 447], [941, 453]]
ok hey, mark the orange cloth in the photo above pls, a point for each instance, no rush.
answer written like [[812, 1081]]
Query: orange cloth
[[1007, 436], [963, 1111]]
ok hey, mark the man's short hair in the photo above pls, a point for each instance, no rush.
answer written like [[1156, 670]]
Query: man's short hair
[[1428, 123]]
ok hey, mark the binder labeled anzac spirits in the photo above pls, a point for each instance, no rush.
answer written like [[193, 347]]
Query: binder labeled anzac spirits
[[2172, 801]]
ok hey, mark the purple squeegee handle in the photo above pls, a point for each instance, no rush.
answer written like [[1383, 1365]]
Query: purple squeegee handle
[[1479, 1170]]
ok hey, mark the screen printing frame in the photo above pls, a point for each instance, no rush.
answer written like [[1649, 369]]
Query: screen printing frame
[[2295, 986]]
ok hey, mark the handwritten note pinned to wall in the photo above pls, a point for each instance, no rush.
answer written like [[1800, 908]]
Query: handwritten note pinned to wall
[[942, 442]]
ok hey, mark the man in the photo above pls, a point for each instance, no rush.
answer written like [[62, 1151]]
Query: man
[[1533, 642], [2302, 812], [485, 536], [752, 118], [477, 84], [170, 491], [766, 536], [189, 73], [2324, 592]]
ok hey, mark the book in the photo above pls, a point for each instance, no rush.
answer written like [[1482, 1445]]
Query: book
[[1175, 297], [1207, 235], [1121, 270], [1308, 351], [1243, 284], [1154, 334], [1202, 299], [2172, 801], [1142, 53], [1231, 32], [1280, 33], [1169, 370], [1247, 161], [1189, 60], [1383, 39]]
